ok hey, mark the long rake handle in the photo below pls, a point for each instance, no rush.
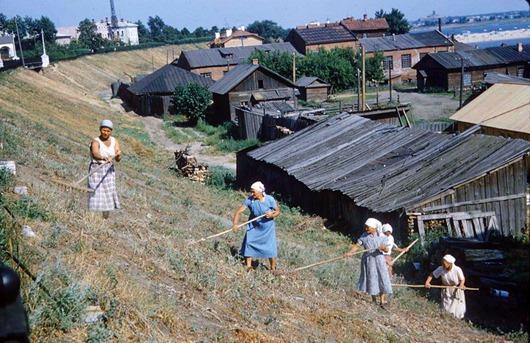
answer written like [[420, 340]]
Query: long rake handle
[[92, 172], [410, 245], [331, 260], [225, 232], [432, 286]]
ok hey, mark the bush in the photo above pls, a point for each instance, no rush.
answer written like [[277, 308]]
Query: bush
[[191, 101]]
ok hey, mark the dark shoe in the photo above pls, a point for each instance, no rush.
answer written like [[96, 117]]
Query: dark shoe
[[383, 306]]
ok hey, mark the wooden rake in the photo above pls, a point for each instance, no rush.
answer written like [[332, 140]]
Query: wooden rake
[[77, 185], [398, 256], [433, 286], [225, 232], [330, 260]]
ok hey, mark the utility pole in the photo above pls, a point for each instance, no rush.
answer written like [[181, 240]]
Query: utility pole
[[294, 67], [390, 66], [358, 90], [461, 79], [20, 44], [363, 54]]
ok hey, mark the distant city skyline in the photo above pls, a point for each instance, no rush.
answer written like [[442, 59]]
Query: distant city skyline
[[207, 13]]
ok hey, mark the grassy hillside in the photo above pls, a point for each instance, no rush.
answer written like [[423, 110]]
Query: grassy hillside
[[136, 265]]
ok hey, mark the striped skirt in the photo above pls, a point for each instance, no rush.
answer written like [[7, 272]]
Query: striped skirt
[[103, 182]]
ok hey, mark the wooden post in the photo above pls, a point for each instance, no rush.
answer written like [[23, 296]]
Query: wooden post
[[363, 82], [294, 67]]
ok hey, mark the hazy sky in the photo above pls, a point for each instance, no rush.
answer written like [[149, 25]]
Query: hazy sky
[[224, 13]]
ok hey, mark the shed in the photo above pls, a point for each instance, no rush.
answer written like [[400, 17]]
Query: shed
[[443, 70], [350, 168], [313, 88], [151, 95], [247, 84], [501, 110]]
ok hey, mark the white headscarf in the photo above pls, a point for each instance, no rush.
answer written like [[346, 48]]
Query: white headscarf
[[449, 258], [387, 227], [376, 224], [258, 186]]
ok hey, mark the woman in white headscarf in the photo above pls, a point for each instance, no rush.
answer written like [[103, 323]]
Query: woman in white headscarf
[[453, 298], [374, 278], [260, 237], [387, 231]]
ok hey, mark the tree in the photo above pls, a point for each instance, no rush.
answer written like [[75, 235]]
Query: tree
[[156, 27], [268, 29], [281, 63], [374, 67], [396, 21], [48, 28], [191, 100], [143, 33], [89, 37]]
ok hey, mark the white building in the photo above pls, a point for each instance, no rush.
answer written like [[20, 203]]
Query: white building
[[8, 50], [124, 31]]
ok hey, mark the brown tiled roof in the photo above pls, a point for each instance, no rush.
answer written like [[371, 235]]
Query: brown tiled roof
[[236, 34], [365, 25]]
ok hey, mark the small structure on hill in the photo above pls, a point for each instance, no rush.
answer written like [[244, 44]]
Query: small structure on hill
[[313, 88], [187, 166]]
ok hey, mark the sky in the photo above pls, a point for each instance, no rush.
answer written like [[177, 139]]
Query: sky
[[228, 13]]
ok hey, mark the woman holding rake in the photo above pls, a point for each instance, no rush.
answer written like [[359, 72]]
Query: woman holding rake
[[104, 150], [260, 237], [374, 278]]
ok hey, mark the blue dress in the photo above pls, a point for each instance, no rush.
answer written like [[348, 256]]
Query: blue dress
[[374, 278], [260, 237]]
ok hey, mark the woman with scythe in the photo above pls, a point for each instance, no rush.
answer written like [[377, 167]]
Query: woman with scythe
[[374, 278], [260, 236]]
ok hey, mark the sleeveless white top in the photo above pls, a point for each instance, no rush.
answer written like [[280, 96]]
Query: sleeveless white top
[[106, 151]]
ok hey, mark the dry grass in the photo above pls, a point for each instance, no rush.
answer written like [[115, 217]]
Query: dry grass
[[136, 266]]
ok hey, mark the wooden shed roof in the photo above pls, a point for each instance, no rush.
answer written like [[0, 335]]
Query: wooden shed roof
[[504, 106], [382, 167], [311, 81], [405, 41], [374, 24], [165, 79], [323, 34]]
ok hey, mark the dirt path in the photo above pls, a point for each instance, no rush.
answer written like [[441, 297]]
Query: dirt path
[[153, 127]]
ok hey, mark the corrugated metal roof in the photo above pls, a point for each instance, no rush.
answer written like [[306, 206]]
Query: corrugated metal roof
[[374, 24], [222, 56], [504, 106], [273, 94], [481, 57], [325, 34], [306, 81], [494, 77], [165, 79], [241, 72], [405, 41], [383, 167]]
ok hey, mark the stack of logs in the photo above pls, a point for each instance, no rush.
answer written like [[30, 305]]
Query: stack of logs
[[187, 166]]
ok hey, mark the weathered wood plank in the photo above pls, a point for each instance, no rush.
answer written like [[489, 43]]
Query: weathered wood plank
[[474, 202], [470, 215], [476, 255]]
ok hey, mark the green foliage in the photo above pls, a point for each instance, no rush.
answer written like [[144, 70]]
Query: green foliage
[[396, 21], [225, 137], [268, 29], [98, 333], [222, 178], [374, 68], [27, 207], [89, 37], [280, 62], [191, 100]]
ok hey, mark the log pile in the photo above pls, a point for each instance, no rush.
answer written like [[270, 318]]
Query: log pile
[[187, 166]]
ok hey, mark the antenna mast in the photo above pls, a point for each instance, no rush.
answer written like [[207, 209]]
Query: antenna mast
[[113, 17]]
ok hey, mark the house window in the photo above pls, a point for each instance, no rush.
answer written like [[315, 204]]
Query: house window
[[406, 61], [207, 75], [260, 84], [467, 79], [388, 63]]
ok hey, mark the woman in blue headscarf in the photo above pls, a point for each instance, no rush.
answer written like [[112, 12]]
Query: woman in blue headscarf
[[260, 237]]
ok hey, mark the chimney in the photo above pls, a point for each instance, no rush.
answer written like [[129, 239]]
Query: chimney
[[217, 35], [365, 17], [241, 28], [394, 37], [228, 32], [440, 24], [93, 21], [519, 47], [106, 19], [255, 61]]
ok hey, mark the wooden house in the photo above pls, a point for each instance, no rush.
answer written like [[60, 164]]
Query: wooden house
[[215, 63], [402, 52], [151, 95], [444, 70], [315, 36], [348, 168], [501, 110], [366, 28], [313, 88], [235, 39], [248, 84]]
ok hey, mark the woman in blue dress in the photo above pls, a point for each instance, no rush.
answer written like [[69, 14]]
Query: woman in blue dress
[[374, 278], [260, 237]]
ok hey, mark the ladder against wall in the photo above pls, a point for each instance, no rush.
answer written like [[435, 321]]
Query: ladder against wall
[[477, 225]]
